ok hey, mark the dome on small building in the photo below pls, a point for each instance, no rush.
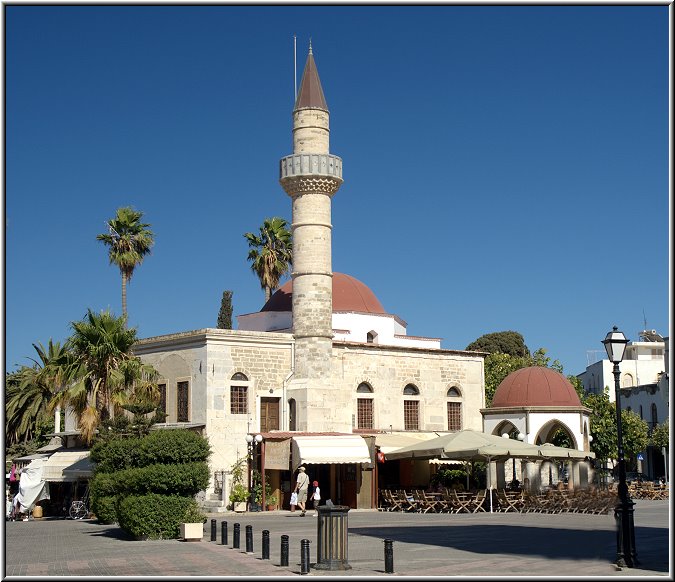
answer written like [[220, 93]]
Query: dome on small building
[[535, 386], [349, 294]]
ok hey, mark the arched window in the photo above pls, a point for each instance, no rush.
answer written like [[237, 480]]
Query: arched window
[[411, 390], [454, 409], [627, 381], [239, 394], [655, 415], [364, 407], [411, 409]]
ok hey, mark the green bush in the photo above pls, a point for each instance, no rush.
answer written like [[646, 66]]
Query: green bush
[[185, 480], [168, 447], [103, 493], [105, 508], [147, 484], [154, 516], [114, 455], [172, 447]]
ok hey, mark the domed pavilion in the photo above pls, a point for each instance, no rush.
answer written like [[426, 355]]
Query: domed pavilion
[[533, 404]]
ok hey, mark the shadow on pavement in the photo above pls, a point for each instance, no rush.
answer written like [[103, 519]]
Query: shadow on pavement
[[549, 543]]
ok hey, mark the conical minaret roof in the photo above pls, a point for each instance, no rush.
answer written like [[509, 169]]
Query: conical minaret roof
[[311, 93]]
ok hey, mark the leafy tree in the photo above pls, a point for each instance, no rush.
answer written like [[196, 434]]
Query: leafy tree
[[129, 240], [635, 435], [635, 431], [602, 426], [503, 342], [270, 253], [661, 435], [225, 313], [109, 372], [33, 392]]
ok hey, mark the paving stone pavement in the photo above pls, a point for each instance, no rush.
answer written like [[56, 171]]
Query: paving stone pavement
[[485, 545]]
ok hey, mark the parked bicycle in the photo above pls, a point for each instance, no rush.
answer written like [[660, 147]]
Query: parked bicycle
[[79, 509]]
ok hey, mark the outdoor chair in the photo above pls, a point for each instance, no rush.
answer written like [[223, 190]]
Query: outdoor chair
[[532, 503], [478, 501], [504, 503], [423, 503], [458, 504], [408, 502], [390, 502]]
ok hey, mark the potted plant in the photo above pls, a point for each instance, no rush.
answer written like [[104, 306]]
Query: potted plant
[[192, 526], [238, 497], [270, 498]]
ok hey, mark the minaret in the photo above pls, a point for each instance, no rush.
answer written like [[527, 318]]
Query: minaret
[[310, 177]]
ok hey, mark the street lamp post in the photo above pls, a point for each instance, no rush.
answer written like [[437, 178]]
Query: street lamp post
[[626, 555]]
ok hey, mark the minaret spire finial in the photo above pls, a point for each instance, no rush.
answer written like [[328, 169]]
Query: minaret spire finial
[[310, 45]]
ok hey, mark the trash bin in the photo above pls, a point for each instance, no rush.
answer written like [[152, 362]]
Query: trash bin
[[331, 545]]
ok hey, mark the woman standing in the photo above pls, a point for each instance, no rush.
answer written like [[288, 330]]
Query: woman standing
[[316, 497]]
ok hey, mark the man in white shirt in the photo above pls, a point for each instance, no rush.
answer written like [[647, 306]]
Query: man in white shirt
[[301, 485]]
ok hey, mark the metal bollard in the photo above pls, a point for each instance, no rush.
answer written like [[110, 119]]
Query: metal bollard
[[213, 530], [304, 556], [235, 536], [223, 533], [284, 550], [389, 556], [265, 544], [249, 539]]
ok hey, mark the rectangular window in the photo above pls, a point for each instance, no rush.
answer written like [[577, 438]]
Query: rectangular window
[[454, 416], [162, 397], [364, 409], [411, 414], [238, 399], [182, 402]]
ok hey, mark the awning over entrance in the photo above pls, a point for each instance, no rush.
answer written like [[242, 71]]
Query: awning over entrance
[[329, 449], [68, 466]]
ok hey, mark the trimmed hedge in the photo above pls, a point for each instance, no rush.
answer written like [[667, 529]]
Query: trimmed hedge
[[167, 447], [154, 516], [147, 484], [105, 508], [186, 480], [103, 495]]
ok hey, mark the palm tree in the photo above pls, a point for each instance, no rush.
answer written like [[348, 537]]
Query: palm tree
[[109, 371], [270, 253], [33, 393], [129, 240]]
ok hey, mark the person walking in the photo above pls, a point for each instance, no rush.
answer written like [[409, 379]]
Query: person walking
[[316, 497], [301, 486]]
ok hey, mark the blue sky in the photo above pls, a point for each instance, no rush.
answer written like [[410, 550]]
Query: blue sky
[[506, 167]]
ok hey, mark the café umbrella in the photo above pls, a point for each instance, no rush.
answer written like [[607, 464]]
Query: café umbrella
[[468, 445]]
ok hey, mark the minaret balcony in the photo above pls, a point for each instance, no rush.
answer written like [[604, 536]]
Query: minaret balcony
[[310, 165]]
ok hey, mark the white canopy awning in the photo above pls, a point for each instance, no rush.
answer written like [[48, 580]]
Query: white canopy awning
[[322, 449], [68, 466]]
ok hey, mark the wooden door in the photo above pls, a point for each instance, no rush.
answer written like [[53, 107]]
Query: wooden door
[[269, 414]]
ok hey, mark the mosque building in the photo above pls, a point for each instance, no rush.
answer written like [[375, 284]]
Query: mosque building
[[323, 373]]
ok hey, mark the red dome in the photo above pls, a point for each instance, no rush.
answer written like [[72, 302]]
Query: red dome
[[349, 294], [535, 386]]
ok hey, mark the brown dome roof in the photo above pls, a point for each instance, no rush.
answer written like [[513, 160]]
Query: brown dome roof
[[349, 294], [535, 386]]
